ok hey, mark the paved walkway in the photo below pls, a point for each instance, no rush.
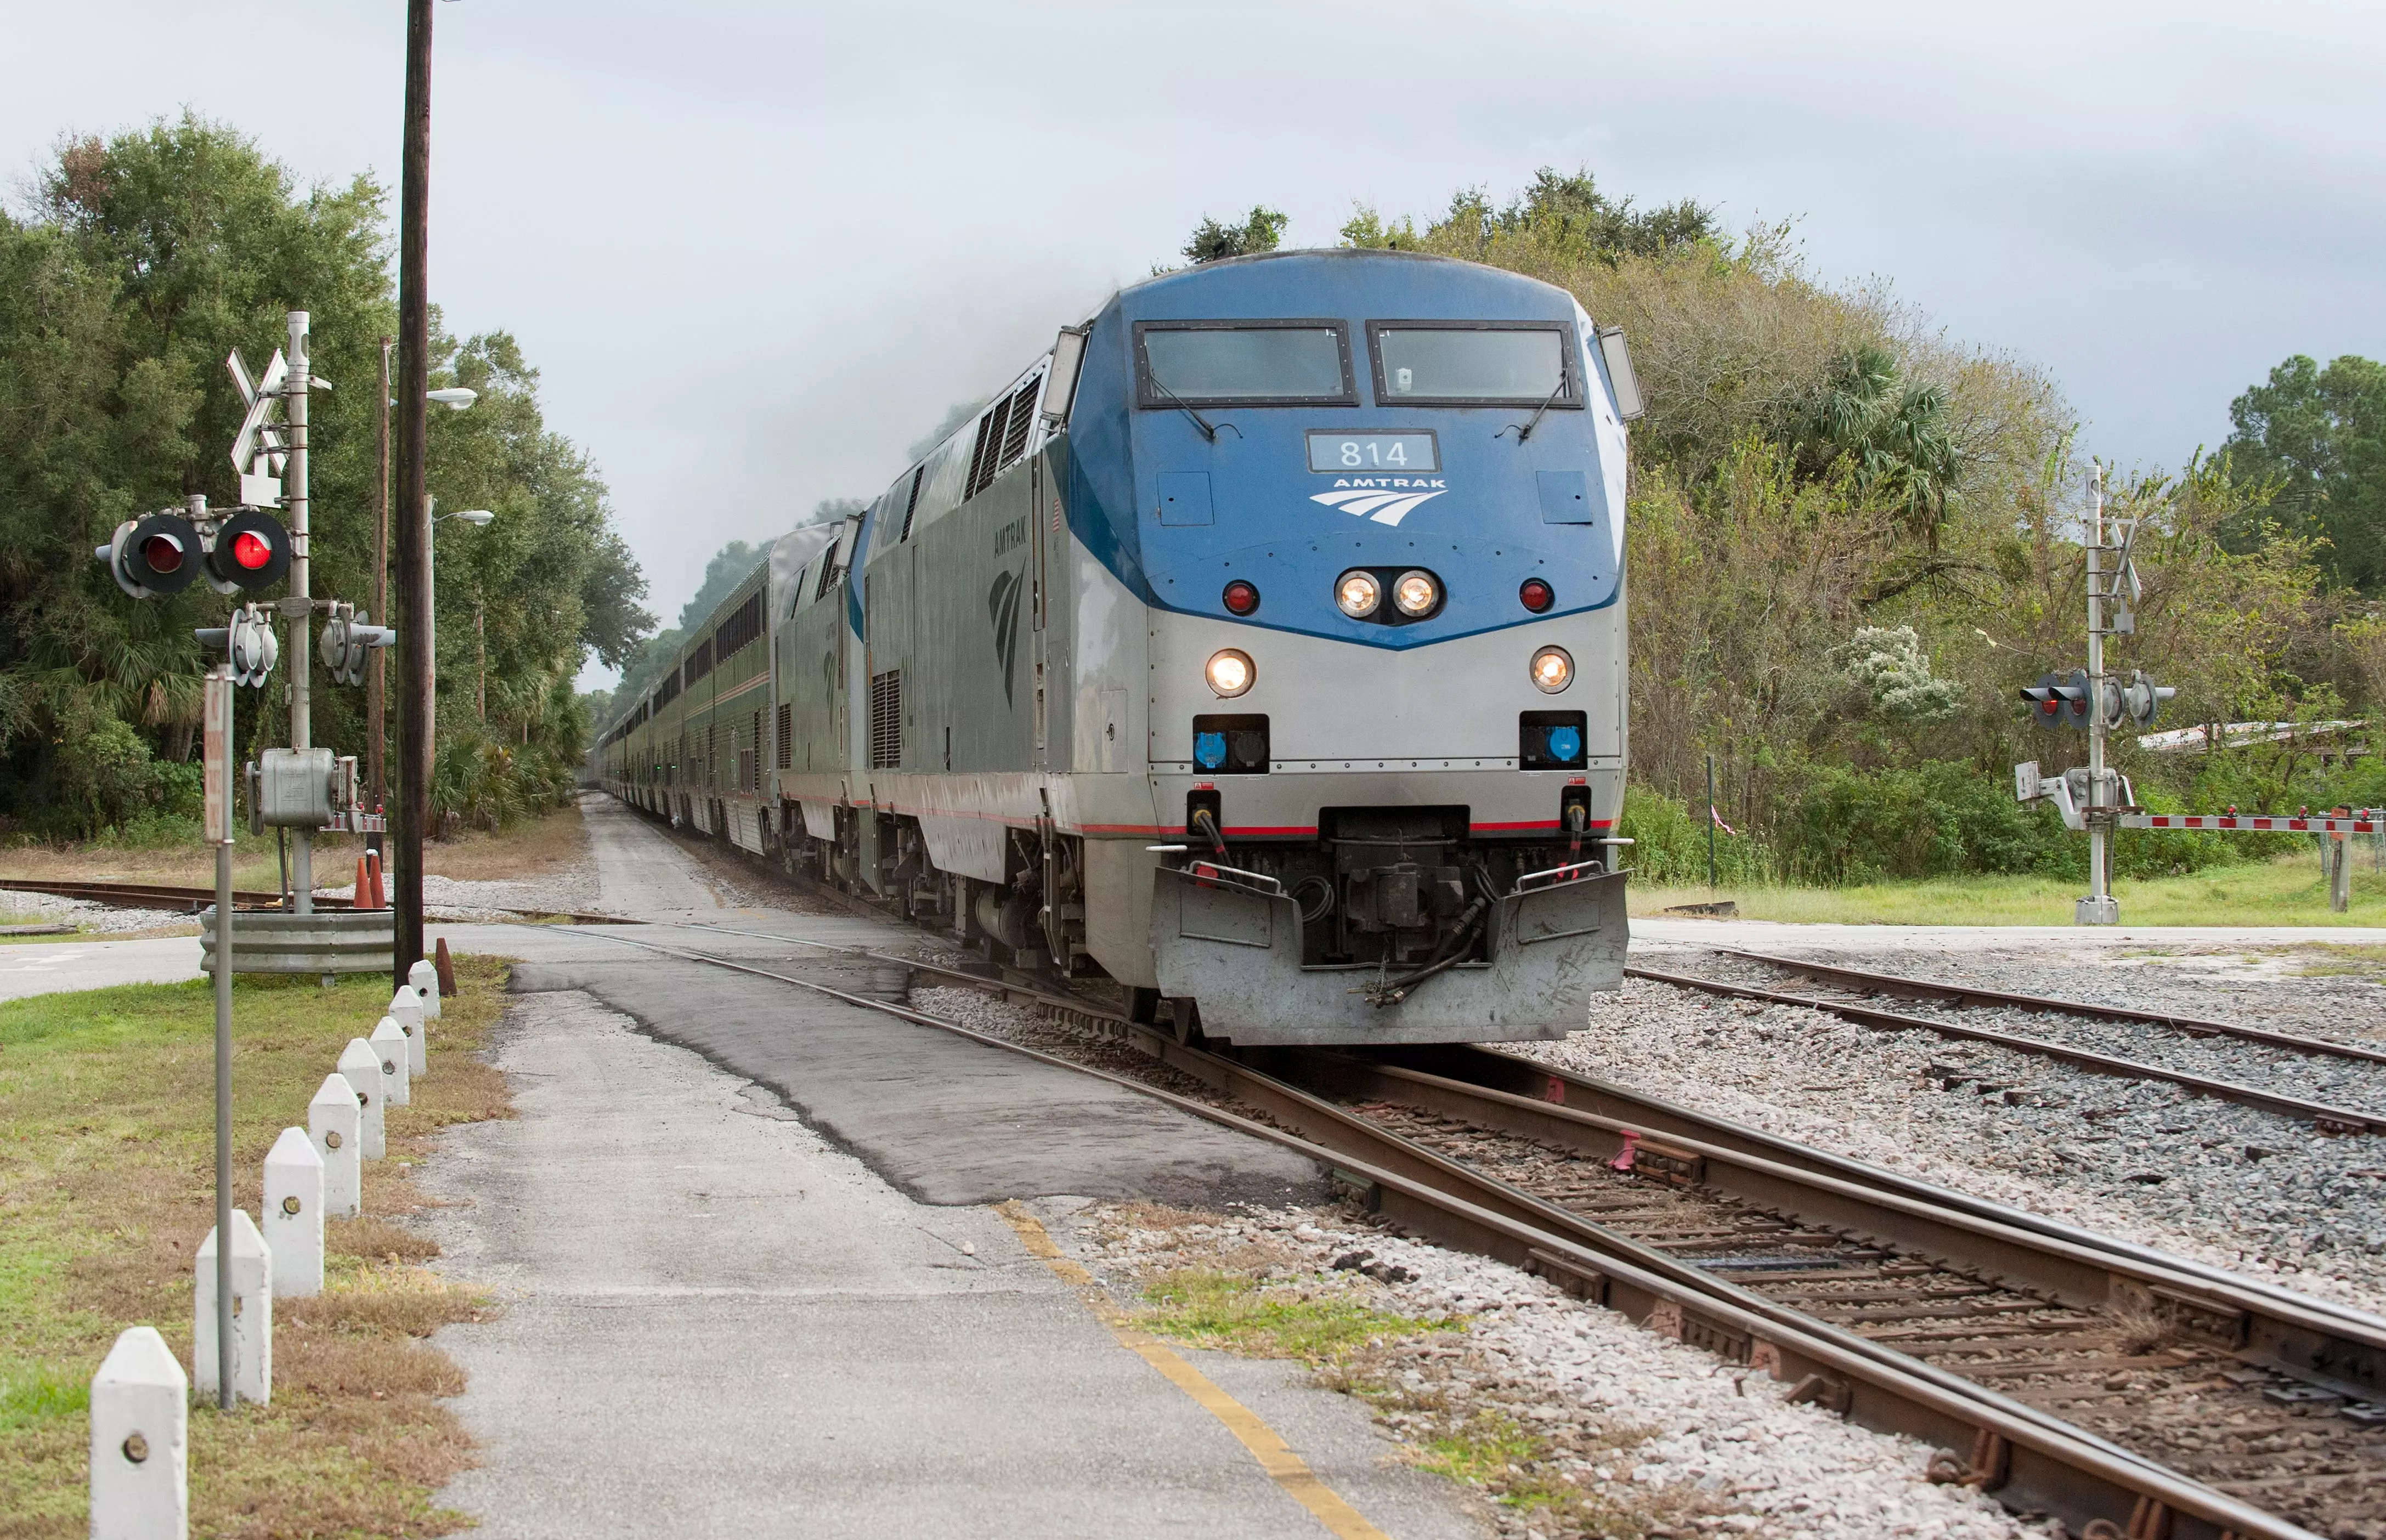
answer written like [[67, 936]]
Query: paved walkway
[[719, 1323]]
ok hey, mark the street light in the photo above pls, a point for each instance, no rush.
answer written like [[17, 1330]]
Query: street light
[[455, 399]]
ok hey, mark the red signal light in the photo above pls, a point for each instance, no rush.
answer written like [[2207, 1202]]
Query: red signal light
[[163, 553], [250, 550], [1537, 595], [1241, 598]]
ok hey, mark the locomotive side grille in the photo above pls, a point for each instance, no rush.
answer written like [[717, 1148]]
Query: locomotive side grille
[[912, 506], [1022, 419], [886, 720], [783, 737], [989, 458]]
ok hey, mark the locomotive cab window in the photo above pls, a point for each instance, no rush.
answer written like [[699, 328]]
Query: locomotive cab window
[[1243, 363], [1474, 363]]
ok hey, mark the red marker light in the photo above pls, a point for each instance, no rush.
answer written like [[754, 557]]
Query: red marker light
[[1537, 595], [163, 553], [1241, 597], [250, 551]]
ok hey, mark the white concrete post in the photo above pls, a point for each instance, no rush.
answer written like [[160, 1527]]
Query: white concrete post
[[252, 1313], [294, 1215], [335, 1124], [406, 1009], [360, 1067], [140, 1442], [389, 1040], [425, 980]]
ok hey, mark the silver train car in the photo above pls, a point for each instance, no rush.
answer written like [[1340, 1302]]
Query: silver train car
[[1260, 647]]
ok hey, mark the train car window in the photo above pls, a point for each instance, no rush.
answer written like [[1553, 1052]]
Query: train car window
[[1243, 363], [1474, 363]]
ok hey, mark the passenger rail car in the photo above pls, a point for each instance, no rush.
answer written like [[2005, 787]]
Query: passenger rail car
[[1261, 646]]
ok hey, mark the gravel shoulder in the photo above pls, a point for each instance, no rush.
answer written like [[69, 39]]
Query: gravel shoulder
[[2258, 1192]]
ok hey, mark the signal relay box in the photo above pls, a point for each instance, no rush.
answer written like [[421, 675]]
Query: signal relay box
[[292, 788]]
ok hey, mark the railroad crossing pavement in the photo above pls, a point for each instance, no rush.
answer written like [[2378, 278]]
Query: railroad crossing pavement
[[718, 1322]]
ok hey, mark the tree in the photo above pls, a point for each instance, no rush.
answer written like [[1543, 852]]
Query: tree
[[1564, 215], [1210, 241], [132, 267], [1894, 434], [2319, 435]]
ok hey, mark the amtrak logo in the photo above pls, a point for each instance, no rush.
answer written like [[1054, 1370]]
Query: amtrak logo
[[1385, 499], [1002, 609]]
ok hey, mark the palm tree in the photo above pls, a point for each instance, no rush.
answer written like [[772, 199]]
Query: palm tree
[[1895, 436]]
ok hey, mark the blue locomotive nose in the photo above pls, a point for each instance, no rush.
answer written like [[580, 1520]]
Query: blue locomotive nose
[[1209, 749], [1566, 742]]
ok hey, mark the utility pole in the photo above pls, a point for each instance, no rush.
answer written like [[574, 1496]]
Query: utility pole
[[376, 675], [2099, 907], [416, 722], [299, 606]]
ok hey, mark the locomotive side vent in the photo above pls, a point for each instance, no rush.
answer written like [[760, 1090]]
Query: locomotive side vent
[[986, 458], [1022, 420], [783, 737], [886, 720]]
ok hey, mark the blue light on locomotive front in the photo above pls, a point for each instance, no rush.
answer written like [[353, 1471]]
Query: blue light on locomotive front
[[1497, 511]]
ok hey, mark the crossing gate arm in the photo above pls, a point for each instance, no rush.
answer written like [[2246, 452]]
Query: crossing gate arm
[[2253, 823]]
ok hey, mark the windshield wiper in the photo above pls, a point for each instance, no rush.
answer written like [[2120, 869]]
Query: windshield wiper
[[1526, 431], [1198, 420]]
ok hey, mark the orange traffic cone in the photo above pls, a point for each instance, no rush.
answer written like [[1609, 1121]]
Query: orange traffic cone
[[372, 871], [363, 899], [447, 971]]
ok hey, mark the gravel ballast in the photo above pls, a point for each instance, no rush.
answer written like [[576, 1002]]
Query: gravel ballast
[[1675, 1441], [2230, 1185]]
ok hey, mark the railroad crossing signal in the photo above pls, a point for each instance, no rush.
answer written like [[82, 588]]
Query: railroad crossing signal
[[348, 639], [153, 555], [2060, 700], [251, 550], [260, 442], [2139, 700], [162, 552], [249, 642]]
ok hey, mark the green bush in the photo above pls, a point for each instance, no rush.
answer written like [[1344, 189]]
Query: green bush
[[1669, 844]]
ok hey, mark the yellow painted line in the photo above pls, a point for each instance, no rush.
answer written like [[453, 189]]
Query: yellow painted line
[[1275, 1457]]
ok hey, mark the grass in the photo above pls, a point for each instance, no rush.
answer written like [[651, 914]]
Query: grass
[[2288, 891], [106, 1142], [1213, 1308], [531, 847]]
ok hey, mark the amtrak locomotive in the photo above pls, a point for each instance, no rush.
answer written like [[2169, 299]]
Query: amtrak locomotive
[[1261, 648]]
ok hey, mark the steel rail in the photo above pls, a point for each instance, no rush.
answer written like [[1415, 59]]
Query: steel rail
[[2033, 1459], [2313, 1338], [2308, 1337], [158, 895], [2337, 1119], [1502, 1070], [1898, 983], [2302, 1337]]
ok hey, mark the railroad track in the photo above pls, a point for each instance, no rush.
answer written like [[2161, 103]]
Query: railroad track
[[190, 900], [1857, 986], [2133, 1395]]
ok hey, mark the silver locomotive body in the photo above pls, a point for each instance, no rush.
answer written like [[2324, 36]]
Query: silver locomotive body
[[1089, 684]]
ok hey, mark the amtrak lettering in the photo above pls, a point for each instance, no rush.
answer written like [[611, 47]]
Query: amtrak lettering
[[1010, 536], [1385, 499], [1002, 609]]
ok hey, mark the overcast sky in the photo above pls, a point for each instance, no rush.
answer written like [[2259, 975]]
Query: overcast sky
[[758, 248]]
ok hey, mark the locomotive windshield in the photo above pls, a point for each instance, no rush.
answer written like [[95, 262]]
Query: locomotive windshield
[[1243, 363], [1471, 363]]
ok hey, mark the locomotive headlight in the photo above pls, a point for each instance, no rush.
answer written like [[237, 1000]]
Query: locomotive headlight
[[1416, 593], [1230, 673], [1552, 670], [1358, 594]]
